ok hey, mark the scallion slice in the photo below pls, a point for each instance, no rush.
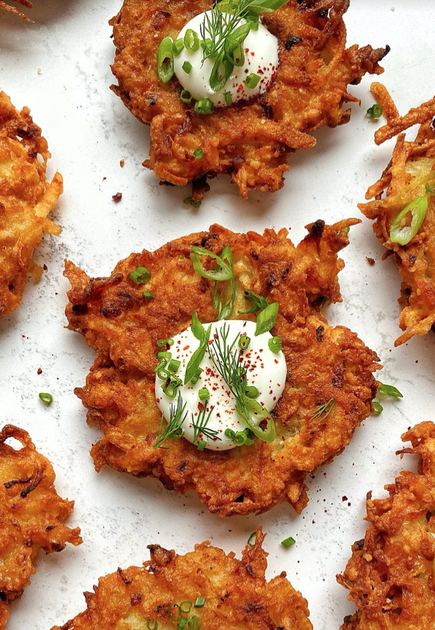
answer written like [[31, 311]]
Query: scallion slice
[[141, 275], [228, 98], [191, 40], [288, 542], [177, 47], [165, 60], [251, 391], [251, 538], [203, 106], [152, 624], [377, 408], [163, 354], [405, 227], [187, 67], [266, 319], [46, 398], [244, 342], [186, 97], [162, 343], [275, 344], [203, 394], [185, 606], [173, 365], [199, 602], [201, 445], [198, 154], [148, 295], [375, 111], [252, 80], [389, 390]]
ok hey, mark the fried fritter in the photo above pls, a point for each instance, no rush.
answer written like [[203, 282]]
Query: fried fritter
[[235, 594], [31, 515], [412, 167], [25, 200], [390, 575], [25, 3], [250, 140], [323, 363]]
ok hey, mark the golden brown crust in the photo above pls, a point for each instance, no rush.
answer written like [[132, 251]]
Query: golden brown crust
[[251, 140], [323, 363], [236, 593], [411, 167], [25, 200], [31, 515], [390, 574]]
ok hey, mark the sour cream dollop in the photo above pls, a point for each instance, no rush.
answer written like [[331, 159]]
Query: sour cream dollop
[[261, 57], [265, 370]]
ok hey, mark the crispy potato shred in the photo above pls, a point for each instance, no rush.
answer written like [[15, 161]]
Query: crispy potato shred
[[324, 363], [390, 575], [250, 140], [412, 167], [25, 200], [31, 515], [25, 3], [235, 592]]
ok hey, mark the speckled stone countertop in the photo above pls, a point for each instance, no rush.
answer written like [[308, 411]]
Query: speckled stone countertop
[[60, 67]]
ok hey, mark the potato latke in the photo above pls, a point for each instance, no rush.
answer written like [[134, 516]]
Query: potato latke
[[412, 167], [323, 363], [25, 200], [31, 515], [235, 594], [390, 575], [250, 140], [25, 3]]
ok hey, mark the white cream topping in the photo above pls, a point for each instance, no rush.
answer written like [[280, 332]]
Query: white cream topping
[[265, 370], [261, 57]]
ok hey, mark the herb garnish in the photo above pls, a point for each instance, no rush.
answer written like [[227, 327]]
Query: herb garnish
[[324, 410], [173, 429], [197, 357], [259, 301], [225, 357], [222, 271], [288, 542], [200, 425], [46, 398]]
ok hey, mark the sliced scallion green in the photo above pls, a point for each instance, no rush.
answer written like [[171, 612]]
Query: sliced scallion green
[[377, 408], [148, 295], [177, 47], [198, 154], [173, 365], [141, 275], [165, 60], [203, 106], [244, 342], [251, 391], [375, 111], [191, 40], [199, 602], [203, 394], [187, 67], [186, 97], [389, 390], [251, 538], [252, 80], [266, 319], [275, 344], [288, 542], [407, 223], [46, 398]]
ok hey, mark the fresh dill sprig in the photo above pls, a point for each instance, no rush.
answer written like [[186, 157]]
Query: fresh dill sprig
[[200, 424], [226, 359], [173, 429], [324, 410]]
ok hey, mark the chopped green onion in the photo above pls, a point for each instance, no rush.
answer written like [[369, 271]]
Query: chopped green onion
[[229, 433], [251, 537], [169, 388], [258, 300], [252, 80], [186, 96], [148, 295], [389, 390], [244, 342], [187, 67], [196, 376], [182, 623], [251, 391], [162, 343], [140, 275], [377, 408], [185, 606], [177, 47], [275, 344], [430, 189], [204, 394], [189, 201], [228, 98], [201, 445], [288, 542], [152, 624], [177, 607], [46, 398], [346, 229], [375, 111], [198, 154], [199, 602], [204, 106], [163, 354], [197, 357], [266, 319], [191, 40], [401, 230], [196, 327], [173, 365], [165, 60], [194, 622], [222, 271]]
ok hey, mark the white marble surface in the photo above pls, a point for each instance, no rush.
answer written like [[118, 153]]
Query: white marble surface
[[89, 131]]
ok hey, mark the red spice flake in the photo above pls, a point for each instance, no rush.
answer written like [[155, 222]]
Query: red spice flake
[[276, 361], [153, 387], [117, 197], [39, 371], [210, 341], [344, 498], [186, 347]]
